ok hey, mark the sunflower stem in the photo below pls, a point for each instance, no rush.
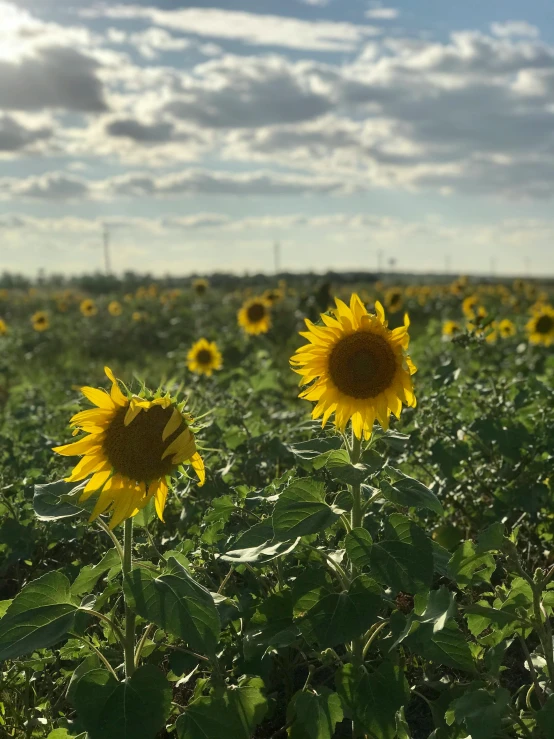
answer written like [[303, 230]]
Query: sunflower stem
[[356, 520], [129, 643]]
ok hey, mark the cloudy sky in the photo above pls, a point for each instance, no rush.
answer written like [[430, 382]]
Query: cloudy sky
[[202, 132]]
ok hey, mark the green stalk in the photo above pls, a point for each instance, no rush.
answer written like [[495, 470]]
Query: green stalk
[[129, 643], [356, 520]]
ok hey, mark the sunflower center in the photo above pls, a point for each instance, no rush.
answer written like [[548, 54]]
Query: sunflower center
[[40, 319], [136, 450], [362, 365], [544, 325], [395, 297], [204, 356], [256, 312]]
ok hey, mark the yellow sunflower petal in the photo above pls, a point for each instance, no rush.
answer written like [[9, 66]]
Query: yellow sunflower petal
[[100, 398]]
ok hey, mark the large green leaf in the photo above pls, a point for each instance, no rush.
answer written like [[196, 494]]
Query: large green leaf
[[256, 545], [372, 700], [51, 502], [469, 567], [309, 450], [314, 715], [402, 566], [89, 575], [481, 712], [358, 544], [545, 718], [336, 618], [447, 647], [134, 709], [177, 603], [411, 493], [301, 510], [40, 616], [342, 469], [234, 714]]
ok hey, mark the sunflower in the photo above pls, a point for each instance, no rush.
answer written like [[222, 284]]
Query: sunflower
[[3, 327], [139, 316], [115, 308], [88, 307], [468, 306], [506, 328], [541, 325], [254, 316], [204, 357], [477, 320], [40, 321], [450, 328], [200, 286], [393, 299], [134, 447], [361, 368]]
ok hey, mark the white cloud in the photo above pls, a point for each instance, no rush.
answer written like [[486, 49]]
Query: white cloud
[[515, 28], [249, 28], [382, 14], [66, 187]]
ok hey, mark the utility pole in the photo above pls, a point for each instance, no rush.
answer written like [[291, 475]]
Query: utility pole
[[277, 257], [106, 238]]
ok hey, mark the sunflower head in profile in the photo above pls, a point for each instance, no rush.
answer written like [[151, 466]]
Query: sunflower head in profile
[[3, 327], [200, 286], [115, 308], [40, 321], [394, 300], [451, 328], [540, 327], [88, 307], [134, 445], [204, 357], [506, 328], [255, 316], [356, 367]]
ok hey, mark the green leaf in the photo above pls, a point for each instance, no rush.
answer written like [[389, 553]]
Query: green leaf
[[40, 616], [262, 554], [447, 647], [336, 618], [468, 567], [176, 603], [482, 712], [64, 734], [358, 544], [233, 715], [545, 718], [301, 510], [403, 566], [314, 447], [491, 539], [411, 493], [440, 606], [4, 605], [314, 715], [372, 700], [89, 575], [50, 500], [342, 469], [134, 709]]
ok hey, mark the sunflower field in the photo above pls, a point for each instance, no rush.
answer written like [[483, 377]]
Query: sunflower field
[[255, 509]]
